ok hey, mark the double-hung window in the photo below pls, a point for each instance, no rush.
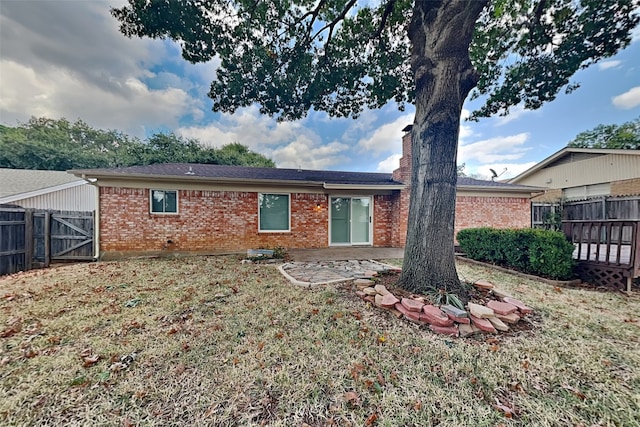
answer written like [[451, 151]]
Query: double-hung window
[[273, 212], [164, 201]]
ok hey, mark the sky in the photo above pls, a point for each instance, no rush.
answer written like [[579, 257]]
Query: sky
[[66, 58]]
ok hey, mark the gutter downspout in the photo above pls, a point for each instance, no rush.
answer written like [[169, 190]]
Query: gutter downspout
[[96, 220]]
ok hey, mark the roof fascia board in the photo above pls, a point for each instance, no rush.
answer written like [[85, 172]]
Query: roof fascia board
[[245, 181], [40, 192], [195, 179], [329, 186], [491, 189]]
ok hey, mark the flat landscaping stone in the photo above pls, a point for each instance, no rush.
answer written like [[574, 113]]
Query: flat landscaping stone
[[462, 320], [363, 283], [521, 307], [465, 330], [498, 324], [370, 291], [414, 316], [370, 299], [381, 289], [454, 311], [483, 324], [500, 293], [502, 307], [446, 330], [389, 300], [484, 284], [396, 312], [412, 305], [434, 316], [480, 311], [401, 308], [508, 318], [370, 273], [378, 300], [361, 294]]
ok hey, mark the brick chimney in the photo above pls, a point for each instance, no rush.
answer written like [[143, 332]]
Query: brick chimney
[[403, 173]]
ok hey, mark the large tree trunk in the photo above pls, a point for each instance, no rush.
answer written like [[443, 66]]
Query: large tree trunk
[[440, 33]]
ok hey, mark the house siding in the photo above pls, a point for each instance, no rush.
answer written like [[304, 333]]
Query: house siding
[[217, 221], [627, 187]]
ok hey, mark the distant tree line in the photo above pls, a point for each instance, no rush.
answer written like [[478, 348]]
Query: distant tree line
[[48, 144], [625, 136]]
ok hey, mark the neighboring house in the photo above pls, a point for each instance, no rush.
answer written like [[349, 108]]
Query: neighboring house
[[51, 190], [579, 173], [146, 210], [599, 178]]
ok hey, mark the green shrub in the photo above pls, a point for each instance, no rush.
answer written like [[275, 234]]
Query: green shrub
[[550, 254], [541, 252]]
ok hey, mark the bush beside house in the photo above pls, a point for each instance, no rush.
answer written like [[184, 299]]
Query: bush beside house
[[540, 252]]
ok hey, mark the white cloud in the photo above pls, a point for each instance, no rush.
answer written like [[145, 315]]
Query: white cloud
[[289, 144], [627, 100], [68, 59], [494, 150], [306, 154], [605, 65], [58, 93], [389, 164], [388, 137]]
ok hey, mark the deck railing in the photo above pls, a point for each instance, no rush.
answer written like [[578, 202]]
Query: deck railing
[[606, 250]]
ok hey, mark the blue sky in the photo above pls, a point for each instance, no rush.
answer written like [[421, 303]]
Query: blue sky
[[66, 58]]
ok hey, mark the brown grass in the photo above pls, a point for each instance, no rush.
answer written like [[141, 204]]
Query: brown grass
[[216, 342]]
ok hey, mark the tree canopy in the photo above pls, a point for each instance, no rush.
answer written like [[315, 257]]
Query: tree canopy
[[625, 136], [50, 144], [342, 56]]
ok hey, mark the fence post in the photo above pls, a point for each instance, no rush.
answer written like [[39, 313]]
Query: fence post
[[28, 239], [47, 238]]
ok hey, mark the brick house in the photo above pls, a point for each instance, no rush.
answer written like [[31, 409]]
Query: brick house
[[196, 208]]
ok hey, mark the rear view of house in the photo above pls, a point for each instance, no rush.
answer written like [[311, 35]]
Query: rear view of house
[[196, 208]]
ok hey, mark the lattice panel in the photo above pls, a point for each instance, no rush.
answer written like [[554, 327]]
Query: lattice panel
[[602, 275]]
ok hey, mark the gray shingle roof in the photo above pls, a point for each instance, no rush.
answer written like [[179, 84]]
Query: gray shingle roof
[[184, 170], [223, 172], [18, 181]]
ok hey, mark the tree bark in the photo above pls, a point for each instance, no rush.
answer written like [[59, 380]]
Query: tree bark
[[440, 33]]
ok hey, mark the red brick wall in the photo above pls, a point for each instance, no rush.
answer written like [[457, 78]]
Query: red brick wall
[[497, 212], [213, 221]]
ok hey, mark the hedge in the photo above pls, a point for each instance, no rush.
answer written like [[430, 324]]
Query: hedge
[[540, 252]]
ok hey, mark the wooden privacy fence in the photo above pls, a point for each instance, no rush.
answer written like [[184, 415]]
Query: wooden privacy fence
[[606, 252], [32, 238], [602, 208]]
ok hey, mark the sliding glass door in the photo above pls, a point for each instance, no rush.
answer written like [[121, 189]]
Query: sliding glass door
[[350, 222]]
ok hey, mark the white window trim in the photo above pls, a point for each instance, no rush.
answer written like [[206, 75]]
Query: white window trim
[[288, 213], [163, 213]]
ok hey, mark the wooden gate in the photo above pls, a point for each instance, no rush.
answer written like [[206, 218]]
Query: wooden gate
[[34, 238]]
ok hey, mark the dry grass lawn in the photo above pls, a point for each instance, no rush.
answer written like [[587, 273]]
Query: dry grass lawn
[[210, 341]]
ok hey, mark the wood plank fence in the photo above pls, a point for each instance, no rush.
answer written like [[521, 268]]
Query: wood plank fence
[[31, 238]]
